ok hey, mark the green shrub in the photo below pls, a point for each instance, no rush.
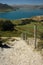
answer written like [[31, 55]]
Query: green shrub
[[6, 25], [40, 44], [1, 23], [41, 36]]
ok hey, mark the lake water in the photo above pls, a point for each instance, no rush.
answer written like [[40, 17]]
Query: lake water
[[21, 13]]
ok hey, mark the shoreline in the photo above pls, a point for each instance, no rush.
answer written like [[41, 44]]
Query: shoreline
[[33, 17], [6, 11]]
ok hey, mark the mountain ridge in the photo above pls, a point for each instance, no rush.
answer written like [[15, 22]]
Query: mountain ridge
[[6, 7], [29, 6]]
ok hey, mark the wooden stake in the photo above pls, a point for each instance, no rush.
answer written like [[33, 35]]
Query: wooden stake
[[35, 34]]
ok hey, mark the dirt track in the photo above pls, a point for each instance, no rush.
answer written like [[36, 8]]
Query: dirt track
[[20, 54]]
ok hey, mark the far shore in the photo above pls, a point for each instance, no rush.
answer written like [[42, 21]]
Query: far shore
[[6, 11]]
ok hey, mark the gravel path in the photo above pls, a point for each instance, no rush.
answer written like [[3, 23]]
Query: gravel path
[[20, 54]]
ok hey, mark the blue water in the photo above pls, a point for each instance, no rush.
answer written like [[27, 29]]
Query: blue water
[[21, 13]]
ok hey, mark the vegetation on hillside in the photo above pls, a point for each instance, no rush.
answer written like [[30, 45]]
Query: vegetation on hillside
[[14, 28], [20, 26], [6, 25]]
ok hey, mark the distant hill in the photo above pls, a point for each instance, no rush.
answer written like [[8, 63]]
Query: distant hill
[[5, 7], [29, 6]]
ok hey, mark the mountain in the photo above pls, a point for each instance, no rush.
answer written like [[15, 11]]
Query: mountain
[[29, 6], [5, 7]]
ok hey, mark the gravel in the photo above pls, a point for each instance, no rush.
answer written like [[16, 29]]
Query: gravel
[[20, 54]]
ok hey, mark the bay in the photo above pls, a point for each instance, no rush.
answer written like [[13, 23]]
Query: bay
[[21, 13]]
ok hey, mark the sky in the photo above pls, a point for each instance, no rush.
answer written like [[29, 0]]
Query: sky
[[34, 2]]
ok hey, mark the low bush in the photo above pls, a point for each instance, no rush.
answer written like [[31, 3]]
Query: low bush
[[7, 25], [40, 45], [41, 36]]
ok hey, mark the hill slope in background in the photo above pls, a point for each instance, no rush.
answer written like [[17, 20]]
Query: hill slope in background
[[29, 6], [5, 7]]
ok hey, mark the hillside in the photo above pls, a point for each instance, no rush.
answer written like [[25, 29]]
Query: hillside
[[37, 18], [24, 25]]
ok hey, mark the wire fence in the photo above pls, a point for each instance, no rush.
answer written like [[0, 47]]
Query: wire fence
[[33, 40]]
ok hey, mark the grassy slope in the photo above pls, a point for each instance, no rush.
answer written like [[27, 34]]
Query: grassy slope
[[28, 28]]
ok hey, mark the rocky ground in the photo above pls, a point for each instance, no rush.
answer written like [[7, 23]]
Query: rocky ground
[[20, 54]]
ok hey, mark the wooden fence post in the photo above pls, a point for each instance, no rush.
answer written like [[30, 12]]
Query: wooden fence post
[[35, 35], [24, 36]]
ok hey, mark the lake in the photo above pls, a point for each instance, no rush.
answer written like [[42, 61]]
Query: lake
[[21, 13]]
